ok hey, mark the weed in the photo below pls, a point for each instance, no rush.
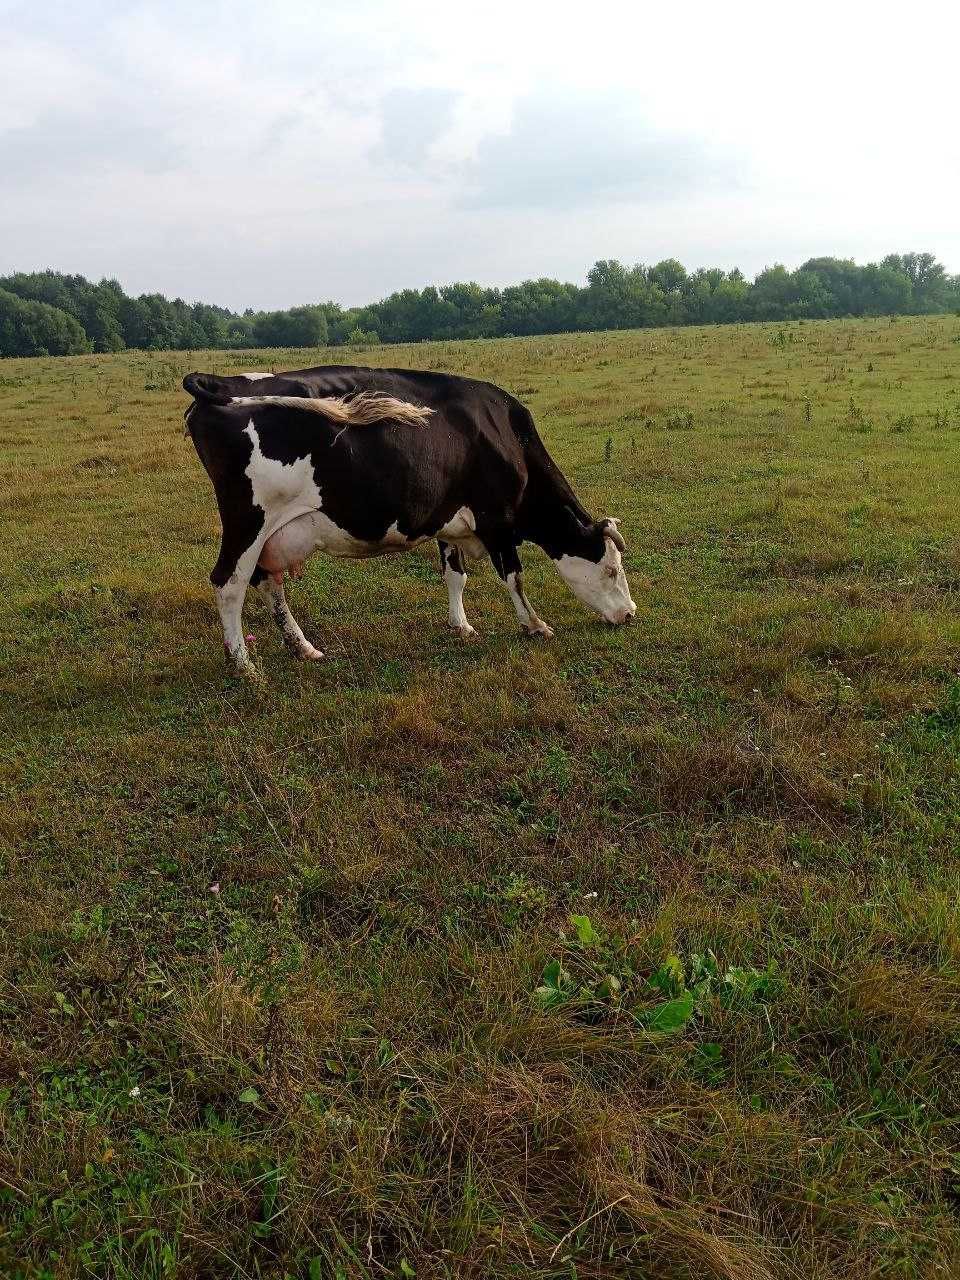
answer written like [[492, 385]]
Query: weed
[[856, 419]]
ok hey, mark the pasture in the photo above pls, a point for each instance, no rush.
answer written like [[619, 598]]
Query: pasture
[[635, 953]]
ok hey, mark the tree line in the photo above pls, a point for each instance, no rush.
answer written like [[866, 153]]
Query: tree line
[[49, 313]]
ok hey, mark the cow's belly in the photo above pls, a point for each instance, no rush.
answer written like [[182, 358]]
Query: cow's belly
[[286, 550]]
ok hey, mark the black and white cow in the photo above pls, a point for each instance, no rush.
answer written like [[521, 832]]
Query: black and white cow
[[364, 462]]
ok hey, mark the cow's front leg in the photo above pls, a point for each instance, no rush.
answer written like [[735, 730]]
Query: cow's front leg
[[506, 561], [293, 637], [455, 576]]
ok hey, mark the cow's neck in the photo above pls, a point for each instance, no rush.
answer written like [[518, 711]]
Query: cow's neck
[[551, 515]]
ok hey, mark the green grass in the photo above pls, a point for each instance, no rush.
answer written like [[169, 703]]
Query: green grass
[[292, 984]]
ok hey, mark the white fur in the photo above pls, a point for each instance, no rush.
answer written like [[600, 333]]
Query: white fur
[[461, 529], [526, 614], [299, 538], [255, 377], [455, 584], [230, 599], [601, 586], [284, 490]]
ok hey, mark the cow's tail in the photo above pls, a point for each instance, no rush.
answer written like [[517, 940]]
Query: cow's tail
[[207, 388], [355, 410]]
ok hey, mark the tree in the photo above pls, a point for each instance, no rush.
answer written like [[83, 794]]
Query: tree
[[779, 294], [842, 280], [298, 327], [29, 328], [102, 317], [620, 298], [885, 291], [539, 306], [930, 283], [669, 276]]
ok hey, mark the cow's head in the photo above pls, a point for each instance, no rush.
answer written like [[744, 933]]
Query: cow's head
[[593, 569]]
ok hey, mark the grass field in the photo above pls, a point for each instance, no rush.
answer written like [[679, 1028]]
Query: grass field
[[631, 954]]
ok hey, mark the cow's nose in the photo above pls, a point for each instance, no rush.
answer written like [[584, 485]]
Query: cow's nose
[[623, 615]]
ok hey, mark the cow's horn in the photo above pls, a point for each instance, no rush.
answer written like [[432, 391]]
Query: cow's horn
[[610, 530]]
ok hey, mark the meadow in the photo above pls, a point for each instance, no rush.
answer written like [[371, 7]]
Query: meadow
[[635, 953]]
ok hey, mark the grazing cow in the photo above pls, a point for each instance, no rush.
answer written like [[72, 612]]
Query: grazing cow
[[364, 462]]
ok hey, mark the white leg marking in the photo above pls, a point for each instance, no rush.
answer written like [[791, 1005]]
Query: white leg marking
[[455, 584], [293, 637], [230, 598], [529, 621]]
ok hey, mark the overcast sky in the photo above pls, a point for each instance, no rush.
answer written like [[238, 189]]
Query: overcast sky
[[267, 154]]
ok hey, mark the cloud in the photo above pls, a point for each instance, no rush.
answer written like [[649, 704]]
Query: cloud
[[265, 157], [412, 121], [579, 150], [55, 148]]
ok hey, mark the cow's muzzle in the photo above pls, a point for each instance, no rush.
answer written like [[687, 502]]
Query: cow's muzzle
[[621, 617]]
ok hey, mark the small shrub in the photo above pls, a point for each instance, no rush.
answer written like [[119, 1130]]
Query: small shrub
[[363, 337], [856, 419], [680, 420]]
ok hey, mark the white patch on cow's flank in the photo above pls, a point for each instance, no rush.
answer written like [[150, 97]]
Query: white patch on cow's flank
[[284, 490]]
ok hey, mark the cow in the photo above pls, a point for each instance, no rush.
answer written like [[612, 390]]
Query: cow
[[364, 462]]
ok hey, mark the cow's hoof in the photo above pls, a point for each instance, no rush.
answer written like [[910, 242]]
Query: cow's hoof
[[247, 671], [466, 632], [239, 662], [539, 629], [310, 654]]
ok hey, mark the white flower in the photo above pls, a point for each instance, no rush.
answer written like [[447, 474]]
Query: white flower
[[135, 1091]]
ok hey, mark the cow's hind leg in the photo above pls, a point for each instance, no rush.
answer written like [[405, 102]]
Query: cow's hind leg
[[506, 561], [455, 576], [230, 577], [293, 637]]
